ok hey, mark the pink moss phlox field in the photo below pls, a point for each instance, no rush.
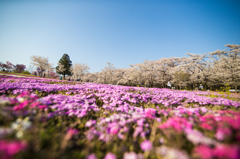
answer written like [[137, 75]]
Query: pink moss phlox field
[[9, 148], [92, 121]]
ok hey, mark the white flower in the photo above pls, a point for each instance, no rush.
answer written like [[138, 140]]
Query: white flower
[[21, 99], [107, 119], [19, 134], [26, 125], [19, 120], [171, 153], [20, 126], [14, 126]]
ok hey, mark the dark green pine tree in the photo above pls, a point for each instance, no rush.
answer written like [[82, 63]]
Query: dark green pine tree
[[65, 68]]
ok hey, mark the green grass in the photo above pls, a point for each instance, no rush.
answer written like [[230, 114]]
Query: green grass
[[14, 73]]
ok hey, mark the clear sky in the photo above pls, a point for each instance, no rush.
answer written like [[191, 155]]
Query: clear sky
[[121, 32]]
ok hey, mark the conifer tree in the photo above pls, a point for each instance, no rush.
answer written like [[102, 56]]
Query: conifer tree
[[64, 66]]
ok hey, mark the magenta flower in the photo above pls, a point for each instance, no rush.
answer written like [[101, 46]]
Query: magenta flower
[[35, 104], [146, 145], [42, 106], [24, 104], [8, 149], [227, 151], [150, 113], [220, 151], [114, 130]]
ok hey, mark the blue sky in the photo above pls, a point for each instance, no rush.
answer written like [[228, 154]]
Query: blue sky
[[121, 32]]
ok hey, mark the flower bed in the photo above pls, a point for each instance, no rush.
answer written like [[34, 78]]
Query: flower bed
[[42, 118]]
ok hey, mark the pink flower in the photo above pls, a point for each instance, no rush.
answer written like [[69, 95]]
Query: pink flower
[[35, 104], [18, 107], [82, 114], [110, 156], [222, 133], [159, 120], [42, 106], [137, 131], [91, 156], [90, 123], [11, 148], [140, 122], [70, 133], [206, 126], [177, 123], [150, 113], [25, 103], [227, 151], [204, 151], [26, 93], [21, 105], [146, 145], [114, 130], [120, 136]]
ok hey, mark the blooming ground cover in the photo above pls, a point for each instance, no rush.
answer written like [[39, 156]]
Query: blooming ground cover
[[45, 118]]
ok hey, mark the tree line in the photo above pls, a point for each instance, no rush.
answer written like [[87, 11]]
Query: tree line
[[64, 67], [212, 70], [9, 67]]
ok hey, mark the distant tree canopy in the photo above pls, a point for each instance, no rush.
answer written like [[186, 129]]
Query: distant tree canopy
[[20, 68], [213, 70], [40, 62], [64, 66], [8, 66], [79, 70]]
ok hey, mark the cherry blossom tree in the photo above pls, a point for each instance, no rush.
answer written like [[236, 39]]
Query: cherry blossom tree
[[226, 65], [163, 69], [79, 70], [40, 62], [102, 77], [149, 73], [128, 77], [180, 77], [90, 77], [109, 70], [53, 74], [49, 69], [215, 69], [106, 75]]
